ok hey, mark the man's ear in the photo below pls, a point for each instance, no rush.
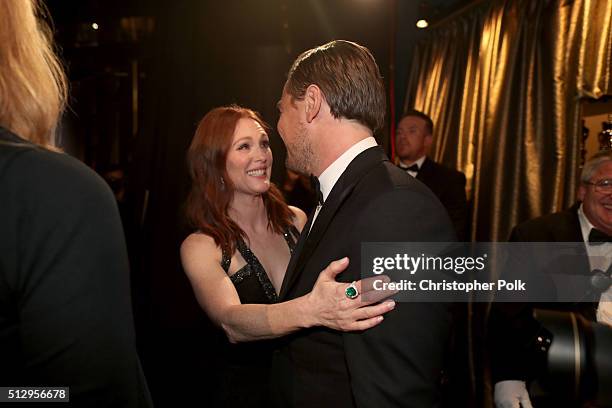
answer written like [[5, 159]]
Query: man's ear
[[581, 192], [427, 141], [313, 98]]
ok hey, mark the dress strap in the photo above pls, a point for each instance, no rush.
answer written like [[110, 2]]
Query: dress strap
[[226, 259], [291, 235], [258, 269]]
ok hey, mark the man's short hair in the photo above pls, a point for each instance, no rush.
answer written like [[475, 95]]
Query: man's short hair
[[347, 74], [593, 163], [428, 122]]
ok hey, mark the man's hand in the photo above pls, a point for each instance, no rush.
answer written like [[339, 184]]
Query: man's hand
[[330, 307], [511, 394]]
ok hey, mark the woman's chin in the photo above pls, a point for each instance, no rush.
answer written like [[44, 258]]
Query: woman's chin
[[262, 188]]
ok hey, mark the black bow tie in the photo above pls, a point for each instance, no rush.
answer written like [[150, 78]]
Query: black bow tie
[[414, 168], [314, 182], [597, 237]]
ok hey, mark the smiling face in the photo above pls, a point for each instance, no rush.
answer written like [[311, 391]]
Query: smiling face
[[300, 153], [412, 139], [597, 205], [249, 159]]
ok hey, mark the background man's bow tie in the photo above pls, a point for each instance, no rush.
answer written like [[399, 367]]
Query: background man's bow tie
[[597, 237], [414, 168]]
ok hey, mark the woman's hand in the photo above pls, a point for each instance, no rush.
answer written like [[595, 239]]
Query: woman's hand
[[329, 306]]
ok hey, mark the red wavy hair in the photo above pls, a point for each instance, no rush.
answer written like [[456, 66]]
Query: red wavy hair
[[211, 189]]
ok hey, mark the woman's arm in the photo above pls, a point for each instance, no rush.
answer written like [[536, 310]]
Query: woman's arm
[[326, 305]]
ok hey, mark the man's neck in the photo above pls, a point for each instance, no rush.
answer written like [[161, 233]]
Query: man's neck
[[332, 173], [336, 141]]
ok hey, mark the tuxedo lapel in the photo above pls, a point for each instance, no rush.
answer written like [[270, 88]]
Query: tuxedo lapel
[[340, 193]]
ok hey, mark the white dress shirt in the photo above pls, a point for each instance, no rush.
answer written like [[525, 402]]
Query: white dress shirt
[[332, 173], [419, 163], [600, 257]]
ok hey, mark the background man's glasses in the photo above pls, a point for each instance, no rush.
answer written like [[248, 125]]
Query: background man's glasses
[[601, 186]]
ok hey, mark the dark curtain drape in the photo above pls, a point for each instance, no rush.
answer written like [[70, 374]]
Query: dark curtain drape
[[503, 83]]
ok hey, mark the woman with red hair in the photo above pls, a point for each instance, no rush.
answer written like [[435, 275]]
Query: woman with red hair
[[236, 259]]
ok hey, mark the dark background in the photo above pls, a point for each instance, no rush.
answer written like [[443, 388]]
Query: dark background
[[139, 85]]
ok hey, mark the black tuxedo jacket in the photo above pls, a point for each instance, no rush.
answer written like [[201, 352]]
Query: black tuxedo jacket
[[563, 226], [397, 363], [449, 186], [511, 323]]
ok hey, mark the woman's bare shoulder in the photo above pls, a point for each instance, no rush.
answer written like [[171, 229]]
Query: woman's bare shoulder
[[198, 247], [299, 218]]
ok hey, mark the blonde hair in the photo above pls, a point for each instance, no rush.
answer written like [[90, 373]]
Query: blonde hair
[[32, 81]]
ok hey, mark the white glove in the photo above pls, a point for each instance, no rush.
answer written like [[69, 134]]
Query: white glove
[[509, 394]]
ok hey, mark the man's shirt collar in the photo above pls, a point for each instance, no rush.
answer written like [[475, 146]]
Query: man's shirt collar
[[332, 173]]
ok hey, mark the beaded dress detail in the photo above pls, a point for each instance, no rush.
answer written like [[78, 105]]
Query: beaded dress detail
[[245, 378], [251, 281]]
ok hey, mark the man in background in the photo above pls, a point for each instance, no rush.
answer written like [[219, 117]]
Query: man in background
[[413, 141], [589, 221]]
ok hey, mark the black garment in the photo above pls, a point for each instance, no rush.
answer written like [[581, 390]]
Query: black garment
[[414, 168], [397, 363], [65, 312], [449, 186], [246, 375], [598, 237], [301, 195], [511, 324]]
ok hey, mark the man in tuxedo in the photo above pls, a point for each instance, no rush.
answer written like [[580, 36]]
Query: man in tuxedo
[[589, 222], [413, 141], [332, 104]]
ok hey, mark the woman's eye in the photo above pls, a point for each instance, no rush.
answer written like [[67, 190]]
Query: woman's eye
[[243, 146], [265, 143]]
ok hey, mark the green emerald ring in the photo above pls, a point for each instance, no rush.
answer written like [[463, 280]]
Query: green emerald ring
[[351, 291]]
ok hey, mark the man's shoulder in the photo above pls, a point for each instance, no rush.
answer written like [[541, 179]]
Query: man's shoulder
[[549, 219], [443, 170], [387, 177], [551, 227], [387, 186]]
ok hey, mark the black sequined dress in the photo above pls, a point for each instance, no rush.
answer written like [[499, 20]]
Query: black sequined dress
[[247, 372]]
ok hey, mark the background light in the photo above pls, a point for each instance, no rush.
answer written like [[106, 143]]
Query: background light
[[422, 23], [95, 26]]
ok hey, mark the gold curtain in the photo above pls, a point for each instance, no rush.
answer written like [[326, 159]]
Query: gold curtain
[[503, 83]]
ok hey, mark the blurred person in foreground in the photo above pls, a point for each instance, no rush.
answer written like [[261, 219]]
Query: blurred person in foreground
[[65, 312], [237, 257]]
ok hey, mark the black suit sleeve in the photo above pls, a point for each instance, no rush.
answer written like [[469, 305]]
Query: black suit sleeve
[[398, 363], [70, 284]]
